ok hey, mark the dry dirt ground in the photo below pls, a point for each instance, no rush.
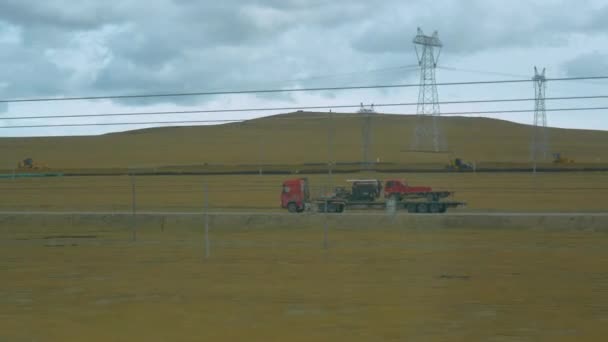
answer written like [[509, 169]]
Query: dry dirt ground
[[545, 192], [280, 284]]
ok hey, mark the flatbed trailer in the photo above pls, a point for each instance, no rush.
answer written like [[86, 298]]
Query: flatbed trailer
[[430, 196], [296, 198], [335, 205]]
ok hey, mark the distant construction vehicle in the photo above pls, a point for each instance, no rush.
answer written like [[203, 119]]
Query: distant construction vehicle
[[30, 164], [559, 159], [458, 164]]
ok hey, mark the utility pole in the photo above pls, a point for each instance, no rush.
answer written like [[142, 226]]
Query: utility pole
[[260, 155], [366, 137], [206, 217], [540, 137], [134, 209], [427, 133], [330, 149]]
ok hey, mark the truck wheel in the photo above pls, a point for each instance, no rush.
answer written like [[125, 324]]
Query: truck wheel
[[411, 208], [423, 208], [443, 209], [340, 208], [435, 208], [292, 207]]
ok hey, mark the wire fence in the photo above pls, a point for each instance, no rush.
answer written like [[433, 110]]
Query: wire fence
[[491, 192], [220, 214]]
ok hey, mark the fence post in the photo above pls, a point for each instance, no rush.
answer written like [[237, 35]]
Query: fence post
[[206, 218], [391, 206], [326, 228], [260, 156], [134, 209]]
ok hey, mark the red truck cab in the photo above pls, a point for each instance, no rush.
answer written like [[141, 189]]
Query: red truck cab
[[295, 195]]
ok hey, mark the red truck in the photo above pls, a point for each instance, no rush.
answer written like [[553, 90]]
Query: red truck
[[399, 190], [295, 197]]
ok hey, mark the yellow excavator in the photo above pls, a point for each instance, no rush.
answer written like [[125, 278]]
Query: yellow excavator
[[30, 164], [457, 164], [558, 159]]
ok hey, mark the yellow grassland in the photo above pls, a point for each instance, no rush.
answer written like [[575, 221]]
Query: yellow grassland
[[551, 192], [278, 284], [296, 139]]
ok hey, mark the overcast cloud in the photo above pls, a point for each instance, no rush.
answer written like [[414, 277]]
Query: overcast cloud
[[72, 48]]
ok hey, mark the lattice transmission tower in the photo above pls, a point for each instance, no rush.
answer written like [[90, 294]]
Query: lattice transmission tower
[[427, 134], [540, 138]]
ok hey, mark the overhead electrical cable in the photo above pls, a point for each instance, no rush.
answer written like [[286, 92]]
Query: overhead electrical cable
[[266, 109], [268, 91], [510, 111]]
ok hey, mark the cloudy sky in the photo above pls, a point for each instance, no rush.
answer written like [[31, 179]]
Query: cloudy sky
[[64, 48]]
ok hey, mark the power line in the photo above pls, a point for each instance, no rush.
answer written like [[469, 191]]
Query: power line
[[381, 70], [483, 72], [336, 75], [267, 91], [486, 72], [125, 123], [511, 111], [266, 109]]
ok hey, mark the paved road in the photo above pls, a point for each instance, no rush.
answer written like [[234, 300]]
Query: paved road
[[276, 213]]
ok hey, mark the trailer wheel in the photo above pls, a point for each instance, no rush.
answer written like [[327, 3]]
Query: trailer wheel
[[423, 208], [443, 209], [411, 208], [340, 208], [435, 208], [292, 207]]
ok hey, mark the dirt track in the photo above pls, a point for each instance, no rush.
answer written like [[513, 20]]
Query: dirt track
[[124, 221]]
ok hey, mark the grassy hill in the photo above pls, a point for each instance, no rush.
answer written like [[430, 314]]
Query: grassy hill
[[298, 138]]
